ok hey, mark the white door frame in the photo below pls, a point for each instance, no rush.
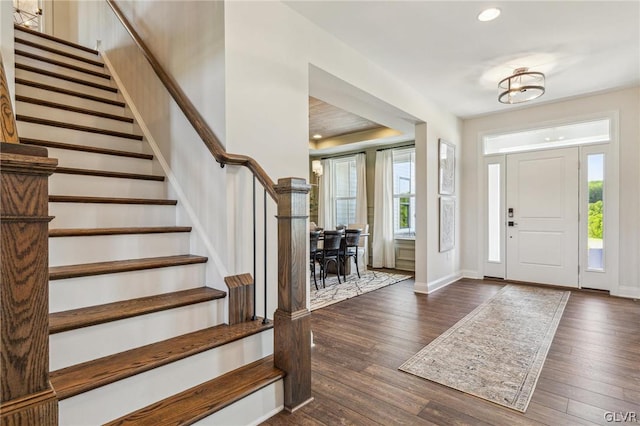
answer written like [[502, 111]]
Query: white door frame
[[611, 214]]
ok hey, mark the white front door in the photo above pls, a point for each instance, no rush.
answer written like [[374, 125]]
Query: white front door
[[542, 217]]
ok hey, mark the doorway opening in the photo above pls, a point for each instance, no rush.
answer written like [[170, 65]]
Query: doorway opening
[[550, 203]]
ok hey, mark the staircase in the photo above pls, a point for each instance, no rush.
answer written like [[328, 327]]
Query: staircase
[[136, 335]]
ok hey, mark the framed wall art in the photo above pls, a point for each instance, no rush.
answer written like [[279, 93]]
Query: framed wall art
[[447, 223], [446, 167]]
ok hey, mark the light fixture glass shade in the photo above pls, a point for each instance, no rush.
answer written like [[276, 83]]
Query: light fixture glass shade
[[522, 86], [316, 167]]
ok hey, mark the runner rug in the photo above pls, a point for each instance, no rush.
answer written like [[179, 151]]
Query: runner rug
[[497, 351], [334, 292]]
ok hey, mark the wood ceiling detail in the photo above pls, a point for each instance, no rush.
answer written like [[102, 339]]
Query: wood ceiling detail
[[330, 121]]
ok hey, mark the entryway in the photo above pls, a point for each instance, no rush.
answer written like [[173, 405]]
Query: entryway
[[551, 202], [542, 217]]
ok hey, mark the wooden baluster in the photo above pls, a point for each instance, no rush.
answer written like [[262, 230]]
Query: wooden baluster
[[9, 131], [26, 396], [292, 321]]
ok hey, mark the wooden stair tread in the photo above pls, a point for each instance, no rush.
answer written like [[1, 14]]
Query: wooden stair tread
[[93, 315], [85, 148], [105, 173], [61, 64], [109, 200], [50, 88], [56, 39], [203, 400], [73, 380], [69, 126], [24, 42], [88, 232], [65, 77], [115, 266], [71, 108]]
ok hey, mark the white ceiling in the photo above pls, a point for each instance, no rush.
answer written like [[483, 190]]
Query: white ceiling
[[445, 53]]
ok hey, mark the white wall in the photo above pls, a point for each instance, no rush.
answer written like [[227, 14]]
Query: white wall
[[189, 42], [627, 103], [61, 19], [251, 83], [268, 51]]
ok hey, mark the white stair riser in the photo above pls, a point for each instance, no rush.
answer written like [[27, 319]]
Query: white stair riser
[[97, 186], [70, 117], [89, 215], [117, 399], [73, 293], [55, 45], [84, 344], [58, 134], [58, 82], [95, 161], [33, 92], [104, 248], [69, 72], [250, 410]]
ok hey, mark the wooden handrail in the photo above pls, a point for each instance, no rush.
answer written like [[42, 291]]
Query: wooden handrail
[[197, 121]]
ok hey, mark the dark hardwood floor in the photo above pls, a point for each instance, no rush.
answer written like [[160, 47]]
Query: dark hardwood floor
[[593, 366]]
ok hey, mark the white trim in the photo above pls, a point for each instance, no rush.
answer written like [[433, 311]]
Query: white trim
[[473, 275], [481, 186], [268, 415], [422, 288], [437, 284], [197, 225], [626, 291]]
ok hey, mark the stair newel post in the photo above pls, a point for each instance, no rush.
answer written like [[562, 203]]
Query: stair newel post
[[26, 396], [292, 325]]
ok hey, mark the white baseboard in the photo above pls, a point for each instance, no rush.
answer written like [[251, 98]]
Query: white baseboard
[[473, 275], [628, 292], [428, 288], [180, 195]]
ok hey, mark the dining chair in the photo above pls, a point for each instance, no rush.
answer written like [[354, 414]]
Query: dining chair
[[330, 253], [349, 249], [363, 247], [313, 254]]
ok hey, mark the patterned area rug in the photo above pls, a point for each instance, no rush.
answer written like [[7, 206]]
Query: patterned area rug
[[497, 351], [334, 292]]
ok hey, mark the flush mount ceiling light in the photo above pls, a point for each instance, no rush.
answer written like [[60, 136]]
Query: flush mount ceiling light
[[317, 136], [522, 86], [489, 14]]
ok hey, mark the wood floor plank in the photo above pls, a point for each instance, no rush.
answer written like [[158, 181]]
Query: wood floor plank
[[53, 38], [115, 266], [443, 414], [85, 148], [198, 402], [397, 397], [79, 378], [359, 344], [92, 315]]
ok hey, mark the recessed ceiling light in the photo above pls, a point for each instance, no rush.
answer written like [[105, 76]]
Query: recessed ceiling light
[[489, 14], [317, 136]]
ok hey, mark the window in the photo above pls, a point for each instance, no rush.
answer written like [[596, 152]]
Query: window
[[494, 221], [595, 177], [581, 133], [345, 181], [404, 192]]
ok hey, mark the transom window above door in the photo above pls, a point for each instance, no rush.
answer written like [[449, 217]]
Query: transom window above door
[[578, 133]]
